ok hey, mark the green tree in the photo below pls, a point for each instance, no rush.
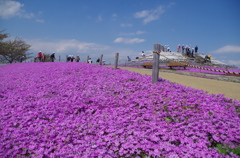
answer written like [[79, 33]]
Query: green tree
[[12, 51]]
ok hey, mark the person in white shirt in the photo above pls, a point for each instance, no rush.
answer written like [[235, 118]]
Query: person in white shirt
[[90, 61]]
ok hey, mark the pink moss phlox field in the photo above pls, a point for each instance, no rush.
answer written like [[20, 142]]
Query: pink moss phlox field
[[85, 110]]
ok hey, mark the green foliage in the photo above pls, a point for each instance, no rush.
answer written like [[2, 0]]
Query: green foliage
[[226, 150], [12, 51]]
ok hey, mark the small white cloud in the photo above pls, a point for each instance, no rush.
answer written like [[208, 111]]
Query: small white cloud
[[126, 25], [134, 33], [9, 8], [23, 14], [227, 49], [99, 17], [171, 4], [114, 15], [40, 21], [233, 62], [128, 40], [142, 14], [40, 12], [140, 32], [149, 15]]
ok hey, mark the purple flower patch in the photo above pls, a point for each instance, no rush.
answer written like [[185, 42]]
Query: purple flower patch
[[85, 110]]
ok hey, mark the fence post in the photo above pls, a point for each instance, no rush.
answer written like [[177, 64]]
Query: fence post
[[116, 61], [87, 58], [59, 58], [155, 69], [100, 61]]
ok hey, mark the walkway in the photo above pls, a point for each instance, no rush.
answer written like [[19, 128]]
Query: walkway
[[229, 89]]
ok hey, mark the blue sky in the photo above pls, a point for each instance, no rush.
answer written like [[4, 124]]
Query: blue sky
[[95, 27]]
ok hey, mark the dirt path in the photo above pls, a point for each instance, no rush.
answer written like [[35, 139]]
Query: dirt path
[[229, 89]]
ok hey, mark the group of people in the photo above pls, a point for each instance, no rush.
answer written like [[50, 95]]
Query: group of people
[[166, 48], [189, 52], [69, 58], [41, 57], [72, 58], [187, 49], [97, 61]]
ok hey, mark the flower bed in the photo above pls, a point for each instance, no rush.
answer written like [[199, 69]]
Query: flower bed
[[85, 110]]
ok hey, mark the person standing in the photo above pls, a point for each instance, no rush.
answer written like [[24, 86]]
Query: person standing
[[68, 58], [21, 59], [90, 61], [129, 59], [39, 56], [52, 57], [143, 55], [168, 48], [77, 59], [178, 48], [196, 49], [72, 58], [165, 48], [98, 60], [183, 48], [192, 52]]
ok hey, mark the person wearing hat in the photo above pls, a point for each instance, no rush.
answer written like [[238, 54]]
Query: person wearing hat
[[21, 59], [52, 57], [208, 58], [196, 49], [143, 55], [39, 56]]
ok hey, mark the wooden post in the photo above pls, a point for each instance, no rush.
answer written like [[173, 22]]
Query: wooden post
[[155, 69], [87, 58], [100, 61], [116, 61], [59, 58]]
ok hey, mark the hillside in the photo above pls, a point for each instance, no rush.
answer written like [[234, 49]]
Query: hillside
[[175, 56]]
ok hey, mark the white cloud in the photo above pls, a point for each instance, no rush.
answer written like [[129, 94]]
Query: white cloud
[[114, 16], [40, 21], [9, 8], [75, 47], [128, 40], [233, 62], [134, 33], [171, 4], [99, 17], [70, 46], [227, 49], [126, 25], [149, 15], [141, 14]]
